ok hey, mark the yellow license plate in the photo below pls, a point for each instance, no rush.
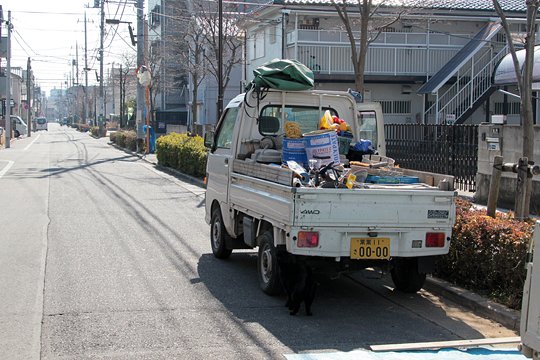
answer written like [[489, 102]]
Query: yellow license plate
[[370, 248]]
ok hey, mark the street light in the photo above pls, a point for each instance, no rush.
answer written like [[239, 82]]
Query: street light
[[117, 22]]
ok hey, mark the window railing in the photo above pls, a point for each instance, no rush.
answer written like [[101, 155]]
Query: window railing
[[388, 38], [392, 53]]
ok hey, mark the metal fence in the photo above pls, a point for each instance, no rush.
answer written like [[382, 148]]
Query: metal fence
[[443, 149]]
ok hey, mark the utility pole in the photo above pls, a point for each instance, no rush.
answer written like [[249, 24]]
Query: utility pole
[[106, 90], [112, 79], [101, 53], [86, 69], [140, 62], [220, 60], [8, 83], [28, 96], [121, 100], [72, 77], [77, 61]]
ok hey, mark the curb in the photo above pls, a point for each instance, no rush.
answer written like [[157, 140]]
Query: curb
[[478, 304], [168, 170], [178, 174]]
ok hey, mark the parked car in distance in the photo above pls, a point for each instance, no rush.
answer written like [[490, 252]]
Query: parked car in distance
[[18, 125], [41, 124]]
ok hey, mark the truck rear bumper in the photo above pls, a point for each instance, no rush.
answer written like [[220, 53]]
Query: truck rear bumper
[[336, 242]]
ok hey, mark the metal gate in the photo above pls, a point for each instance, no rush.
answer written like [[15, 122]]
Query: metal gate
[[443, 149]]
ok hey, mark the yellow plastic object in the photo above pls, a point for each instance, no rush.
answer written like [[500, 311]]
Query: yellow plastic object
[[350, 181], [326, 121], [292, 130]]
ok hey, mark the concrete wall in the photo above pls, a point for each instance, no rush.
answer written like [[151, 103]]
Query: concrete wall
[[510, 149]]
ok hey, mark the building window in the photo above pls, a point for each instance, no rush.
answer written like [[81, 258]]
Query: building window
[[272, 34], [155, 16], [396, 107], [514, 108], [258, 44]]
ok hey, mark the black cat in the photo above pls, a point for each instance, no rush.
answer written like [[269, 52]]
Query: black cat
[[296, 278]]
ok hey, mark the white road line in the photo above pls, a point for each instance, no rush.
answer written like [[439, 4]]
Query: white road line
[[6, 168], [28, 146]]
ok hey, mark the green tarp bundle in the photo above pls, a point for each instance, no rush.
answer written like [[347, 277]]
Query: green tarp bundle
[[283, 74]]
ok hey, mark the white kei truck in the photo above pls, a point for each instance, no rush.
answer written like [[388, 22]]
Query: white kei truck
[[402, 228]]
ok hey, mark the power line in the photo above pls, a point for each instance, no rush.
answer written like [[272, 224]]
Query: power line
[[46, 12], [22, 47], [121, 15]]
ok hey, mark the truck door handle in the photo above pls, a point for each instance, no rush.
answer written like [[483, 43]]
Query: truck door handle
[[226, 161]]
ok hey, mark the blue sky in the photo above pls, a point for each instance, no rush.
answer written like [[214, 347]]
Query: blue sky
[[49, 32]]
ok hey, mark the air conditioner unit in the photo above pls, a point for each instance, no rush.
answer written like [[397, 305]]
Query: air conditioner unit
[[498, 119]]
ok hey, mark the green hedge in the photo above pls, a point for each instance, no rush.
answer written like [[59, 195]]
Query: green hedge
[[125, 139], [95, 131], [182, 152], [82, 127], [487, 255]]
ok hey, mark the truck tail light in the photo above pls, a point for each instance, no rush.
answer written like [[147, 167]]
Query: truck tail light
[[308, 239], [435, 239]]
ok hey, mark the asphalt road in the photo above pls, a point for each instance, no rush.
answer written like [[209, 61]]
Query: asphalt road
[[103, 256]]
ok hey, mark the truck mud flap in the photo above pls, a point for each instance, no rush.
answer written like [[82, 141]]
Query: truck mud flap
[[236, 243], [249, 228], [426, 264]]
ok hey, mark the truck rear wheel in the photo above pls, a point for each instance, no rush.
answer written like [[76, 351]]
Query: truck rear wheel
[[218, 234], [405, 275], [267, 265]]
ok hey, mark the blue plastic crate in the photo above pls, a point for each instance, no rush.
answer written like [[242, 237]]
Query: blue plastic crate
[[403, 179]]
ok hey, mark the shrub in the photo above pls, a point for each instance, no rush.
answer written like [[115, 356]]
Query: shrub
[[121, 139], [112, 136], [125, 139], [95, 131], [82, 127], [182, 152], [130, 140], [487, 255]]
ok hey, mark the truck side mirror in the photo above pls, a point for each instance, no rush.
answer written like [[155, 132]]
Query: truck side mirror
[[209, 139]]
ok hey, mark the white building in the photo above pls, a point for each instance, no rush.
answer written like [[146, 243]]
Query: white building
[[433, 65]]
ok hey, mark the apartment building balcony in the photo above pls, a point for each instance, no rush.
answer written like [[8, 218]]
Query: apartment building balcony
[[397, 54]]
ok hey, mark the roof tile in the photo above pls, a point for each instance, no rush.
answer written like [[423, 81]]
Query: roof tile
[[507, 5]]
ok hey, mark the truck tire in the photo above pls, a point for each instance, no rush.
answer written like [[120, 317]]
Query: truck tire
[[405, 275], [16, 133], [267, 264], [218, 235]]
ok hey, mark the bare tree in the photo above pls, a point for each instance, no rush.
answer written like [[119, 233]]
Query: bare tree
[[166, 52], [155, 62], [195, 63], [207, 16], [129, 62], [524, 76], [370, 20]]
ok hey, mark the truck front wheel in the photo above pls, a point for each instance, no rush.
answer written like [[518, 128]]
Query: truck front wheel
[[218, 234], [267, 265], [405, 275]]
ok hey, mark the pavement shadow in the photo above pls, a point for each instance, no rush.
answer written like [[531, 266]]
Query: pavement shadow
[[348, 314]]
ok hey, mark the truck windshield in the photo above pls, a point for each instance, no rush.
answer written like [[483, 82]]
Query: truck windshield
[[367, 125], [307, 117]]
